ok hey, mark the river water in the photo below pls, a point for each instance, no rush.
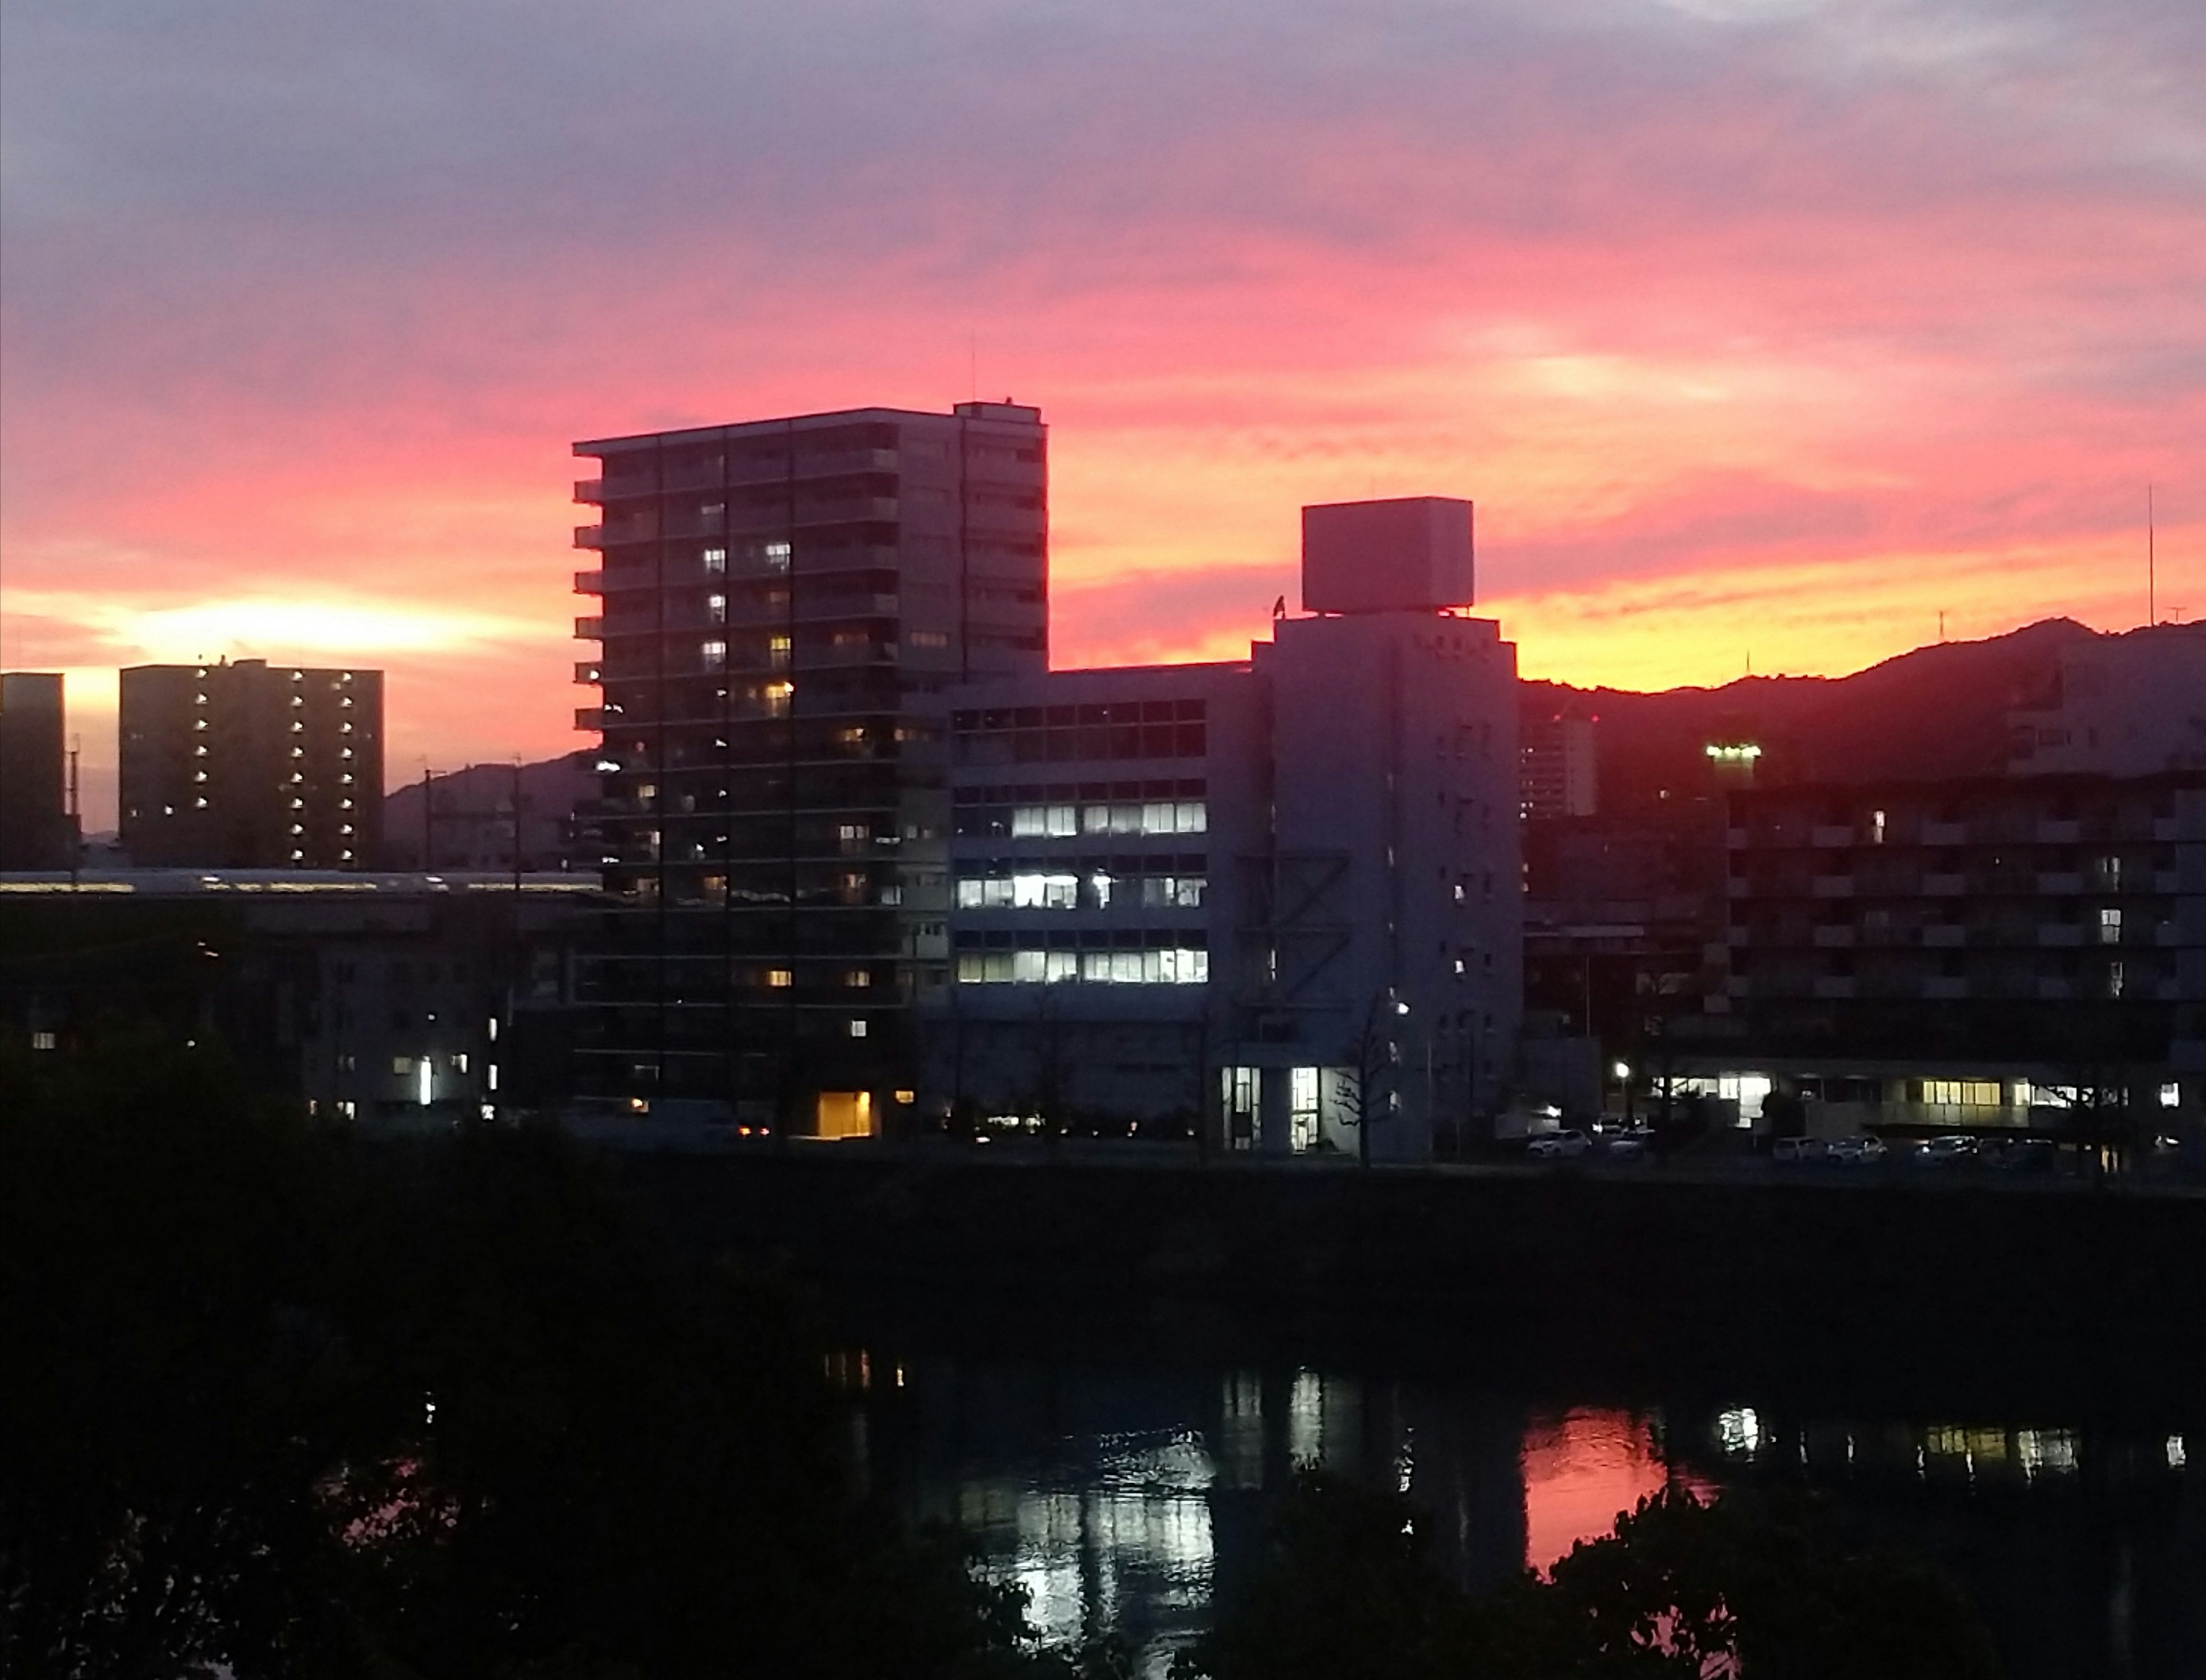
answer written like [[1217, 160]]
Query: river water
[[1125, 1490]]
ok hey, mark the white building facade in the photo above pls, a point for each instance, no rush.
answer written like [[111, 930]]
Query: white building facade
[[1278, 900]]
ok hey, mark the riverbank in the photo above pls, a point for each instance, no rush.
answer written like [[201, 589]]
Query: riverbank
[[1905, 1273]]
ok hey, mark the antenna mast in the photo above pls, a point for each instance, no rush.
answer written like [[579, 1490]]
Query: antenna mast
[[2151, 566]]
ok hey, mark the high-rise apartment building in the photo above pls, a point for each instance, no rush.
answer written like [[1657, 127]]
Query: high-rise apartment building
[[36, 832], [251, 766], [784, 601]]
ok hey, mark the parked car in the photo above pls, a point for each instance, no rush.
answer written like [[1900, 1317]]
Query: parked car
[[2025, 1154], [1801, 1149], [1948, 1151], [1566, 1145], [1858, 1151], [1630, 1146]]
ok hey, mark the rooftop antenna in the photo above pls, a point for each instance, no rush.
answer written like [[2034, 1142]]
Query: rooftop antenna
[[973, 365], [2151, 565], [1941, 623]]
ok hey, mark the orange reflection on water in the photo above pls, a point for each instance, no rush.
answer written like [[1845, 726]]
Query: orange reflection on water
[[1582, 1469]]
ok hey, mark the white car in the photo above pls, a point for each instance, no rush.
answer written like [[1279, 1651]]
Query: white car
[[1564, 1145]]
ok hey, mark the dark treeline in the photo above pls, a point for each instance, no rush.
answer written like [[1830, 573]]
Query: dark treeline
[[279, 1403]]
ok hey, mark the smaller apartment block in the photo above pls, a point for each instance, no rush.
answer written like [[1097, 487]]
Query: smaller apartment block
[[1987, 951], [251, 767]]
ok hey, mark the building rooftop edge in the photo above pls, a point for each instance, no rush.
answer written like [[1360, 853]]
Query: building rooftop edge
[[590, 445]]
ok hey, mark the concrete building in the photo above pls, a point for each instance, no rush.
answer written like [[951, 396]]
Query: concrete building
[[1560, 766], [2122, 706], [1994, 951], [251, 767], [383, 999], [36, 829], [784, 601], [1276, 899]]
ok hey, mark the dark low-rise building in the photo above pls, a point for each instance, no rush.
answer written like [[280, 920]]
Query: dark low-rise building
[[371, 998], [1987, 951]]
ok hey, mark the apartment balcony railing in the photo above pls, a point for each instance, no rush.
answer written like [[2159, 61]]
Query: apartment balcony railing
[[591, 492], [590, 629], [590, 583], [589, 670], [589, 536]]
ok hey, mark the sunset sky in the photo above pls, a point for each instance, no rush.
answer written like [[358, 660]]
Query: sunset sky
[[1767, 325]]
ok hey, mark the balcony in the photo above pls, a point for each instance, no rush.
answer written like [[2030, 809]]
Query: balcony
[[589, 670], [1832, 886], [1944, 834], [2058, 833], [2059, 933], [846, 510], [1831, 835], [589, 536], [2062, 884], [590, 583], [1829, 986], [1944, 886], [591, 629], [1945, 988], [591, 492], [1945, 937], [1833, 936], [589, 717]]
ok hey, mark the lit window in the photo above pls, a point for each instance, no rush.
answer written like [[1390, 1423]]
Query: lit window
[[198, 776], [777, 651], [857, 1029], [43, 1041], [858, 977], [401, 1064], [2110, 927], [714, 654], [779, 977], [717, 607], [716, 559], [460, 1062], [777, 556]]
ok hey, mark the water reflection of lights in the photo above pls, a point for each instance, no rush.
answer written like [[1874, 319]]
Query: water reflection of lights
[[1134, 1526], [2176, 1457], [1739, 1432]]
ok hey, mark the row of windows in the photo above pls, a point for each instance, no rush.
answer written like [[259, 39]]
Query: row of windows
[[1088, 744], [995, 720], [1171, 966], [1056, 792], [1098, 891], [1058, 822]]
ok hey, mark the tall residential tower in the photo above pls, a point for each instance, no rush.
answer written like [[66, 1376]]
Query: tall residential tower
[[784, 601]]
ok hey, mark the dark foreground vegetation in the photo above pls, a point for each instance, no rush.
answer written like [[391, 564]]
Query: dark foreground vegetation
[[276, 1404]]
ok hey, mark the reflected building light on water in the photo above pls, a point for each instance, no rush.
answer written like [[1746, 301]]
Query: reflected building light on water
[[1138, 1532], [1739, 1432], [2176, 1458]]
